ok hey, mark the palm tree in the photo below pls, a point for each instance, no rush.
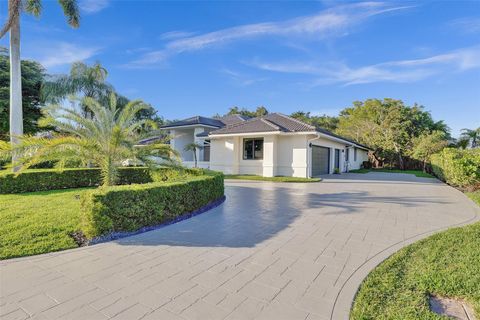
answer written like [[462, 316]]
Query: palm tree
[[15, 7], [107, 139], [193, 147], [83, 80], [472, 135]]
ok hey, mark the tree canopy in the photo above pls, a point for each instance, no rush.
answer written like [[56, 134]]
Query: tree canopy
[[322, 121], [32, 78], [388, 126]]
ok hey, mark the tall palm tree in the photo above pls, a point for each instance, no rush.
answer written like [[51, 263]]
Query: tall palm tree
[[472, 135], [193, 147], [83, 80], [107, 139], [15, 7]]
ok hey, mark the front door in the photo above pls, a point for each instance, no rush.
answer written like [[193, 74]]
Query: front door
[[337, 159]]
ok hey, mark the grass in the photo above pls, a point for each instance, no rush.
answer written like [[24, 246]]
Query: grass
[[275, 179], [38, 222], [417, 173], [445, 264]]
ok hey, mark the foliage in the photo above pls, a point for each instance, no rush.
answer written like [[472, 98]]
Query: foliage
[[40, 222], [34, 7], [52, 179], [427, 144], [32, 78], [105, 139], [325, 122], [83, 80], [460, 168], [128, 208], [193, 147], [445, 264], [274, 179], [387, 126], [260, 111], [417, 173], [472, 136]]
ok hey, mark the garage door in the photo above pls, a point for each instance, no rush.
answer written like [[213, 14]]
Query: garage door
[[320, 160]]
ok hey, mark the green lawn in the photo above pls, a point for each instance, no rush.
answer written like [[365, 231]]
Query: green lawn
[[446, 264], [275, 179], [38, 222], [417, 173]]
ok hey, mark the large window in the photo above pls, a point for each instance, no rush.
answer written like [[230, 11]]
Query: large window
[[355, 154], [253, 149]]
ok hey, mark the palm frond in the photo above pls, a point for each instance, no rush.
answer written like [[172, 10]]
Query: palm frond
[[71, 11]]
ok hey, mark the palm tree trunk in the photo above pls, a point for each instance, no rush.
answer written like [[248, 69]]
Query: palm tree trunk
[[16, 112], [195, 156]]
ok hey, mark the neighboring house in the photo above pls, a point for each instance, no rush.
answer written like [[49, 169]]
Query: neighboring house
[[271, 145]]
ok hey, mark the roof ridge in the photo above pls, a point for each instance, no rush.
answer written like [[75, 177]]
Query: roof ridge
[[296, 120], [271, 124]]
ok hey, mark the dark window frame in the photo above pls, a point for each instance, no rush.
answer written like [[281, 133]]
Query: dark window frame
[[253, 154], [347, 154], [355, 154]]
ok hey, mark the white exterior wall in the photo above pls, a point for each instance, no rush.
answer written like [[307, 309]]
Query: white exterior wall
[[292, 156], [224, 155], [362, 155], [180, 138]]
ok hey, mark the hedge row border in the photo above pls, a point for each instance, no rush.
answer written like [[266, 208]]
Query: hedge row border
[[125, 234]]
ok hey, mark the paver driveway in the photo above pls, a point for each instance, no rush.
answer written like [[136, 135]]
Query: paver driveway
[[271, 251]]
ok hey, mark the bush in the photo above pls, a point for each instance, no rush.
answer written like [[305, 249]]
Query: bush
[[460, 168], [128, 208], [52, 179], [366, 165]]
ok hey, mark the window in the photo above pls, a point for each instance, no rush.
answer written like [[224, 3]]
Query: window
[[347, 153], [354, 154], [253, 149]]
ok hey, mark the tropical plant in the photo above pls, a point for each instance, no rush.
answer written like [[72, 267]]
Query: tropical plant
[[84, 81], [321, 121], [426, 145], [194, 146], [472, 136], [106, 139], [15, 7]]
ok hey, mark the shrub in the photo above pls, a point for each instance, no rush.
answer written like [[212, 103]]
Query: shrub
[[460, 168], [366, 165], [52, 179], [128, 208]]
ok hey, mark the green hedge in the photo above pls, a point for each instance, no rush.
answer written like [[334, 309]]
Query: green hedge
[[460, 168], [128, 208], [52, 179]]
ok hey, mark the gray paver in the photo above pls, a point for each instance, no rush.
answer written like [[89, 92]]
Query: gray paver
[[271, 251]]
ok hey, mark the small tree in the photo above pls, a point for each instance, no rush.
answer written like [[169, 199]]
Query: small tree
[[426, 145], [106, 139], [472, 135], [193, 147]]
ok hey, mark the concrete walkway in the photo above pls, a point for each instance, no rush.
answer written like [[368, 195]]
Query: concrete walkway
[[271, 251]]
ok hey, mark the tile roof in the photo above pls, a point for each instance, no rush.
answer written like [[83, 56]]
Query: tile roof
[[269, 123], [197, 120], [212, 122]]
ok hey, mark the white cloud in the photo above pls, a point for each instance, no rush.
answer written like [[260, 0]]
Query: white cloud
[[392, 71], [93, 6], [331, 22], [63, 53], [466, 25], [241, 78]]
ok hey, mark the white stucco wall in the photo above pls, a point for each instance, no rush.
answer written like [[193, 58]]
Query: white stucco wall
[[292, 156], [180, 138], [283, 155]]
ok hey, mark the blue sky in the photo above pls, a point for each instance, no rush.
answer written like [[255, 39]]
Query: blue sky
[[198, 57]]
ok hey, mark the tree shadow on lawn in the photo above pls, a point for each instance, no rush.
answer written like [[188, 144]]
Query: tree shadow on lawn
[[254, 213]]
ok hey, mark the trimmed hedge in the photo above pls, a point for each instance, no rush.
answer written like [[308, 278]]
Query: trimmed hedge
[[129, 208], [460, 168], [52, 179]]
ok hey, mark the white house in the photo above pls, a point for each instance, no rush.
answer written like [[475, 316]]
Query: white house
[[271, 145]]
